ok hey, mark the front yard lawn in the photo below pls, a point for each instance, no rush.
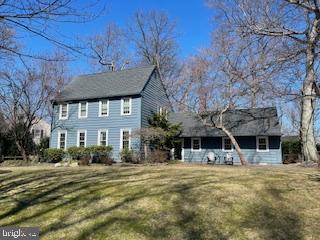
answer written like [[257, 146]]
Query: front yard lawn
[[163, 202]]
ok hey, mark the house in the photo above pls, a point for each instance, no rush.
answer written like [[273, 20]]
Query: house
[[106, 108], [256, 130], [40, 130]]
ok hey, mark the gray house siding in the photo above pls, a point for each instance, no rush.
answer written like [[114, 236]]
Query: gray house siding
[[247, 144], [113, 123], [153, 97]]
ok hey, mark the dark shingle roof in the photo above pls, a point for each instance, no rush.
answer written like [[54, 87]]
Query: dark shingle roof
[[241, 122], [109, 84]]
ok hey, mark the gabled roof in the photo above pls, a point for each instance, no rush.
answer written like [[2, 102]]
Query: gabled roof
[[241, 122], [109, 84]]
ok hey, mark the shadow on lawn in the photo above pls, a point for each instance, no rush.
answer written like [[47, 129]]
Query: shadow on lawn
[[72, 190], [272, 218]]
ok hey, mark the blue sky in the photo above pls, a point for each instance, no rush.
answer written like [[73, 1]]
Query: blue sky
[[193, 19]]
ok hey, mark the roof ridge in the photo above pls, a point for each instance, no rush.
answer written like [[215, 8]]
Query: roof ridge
[[116, 71]]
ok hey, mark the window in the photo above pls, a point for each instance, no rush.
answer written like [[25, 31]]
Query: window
[[62, 140], [37, 133], [163, 111], [262, 144], [125, 138], [160, 110], [103, 137], [125, 106], [103, 108], [83, 109], [82, 138], [227, 145], [63, 111], [195, 144]]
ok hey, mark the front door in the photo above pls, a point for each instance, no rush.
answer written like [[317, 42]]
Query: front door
[[178, 150]]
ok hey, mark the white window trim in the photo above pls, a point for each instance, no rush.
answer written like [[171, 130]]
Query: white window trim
[[79, 110], [195, 150], [65, 142], [121, 136], [100, 108], [130, 107], [85, 137], [223, 148], [60, 112], [182, 150], [107, 137], [257, 143]]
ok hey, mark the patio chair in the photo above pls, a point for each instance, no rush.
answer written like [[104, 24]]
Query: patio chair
[[211, 158], [228, 159]]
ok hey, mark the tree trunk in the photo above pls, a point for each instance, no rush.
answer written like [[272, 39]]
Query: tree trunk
[[236, 146], [22, 151], [309, 148]]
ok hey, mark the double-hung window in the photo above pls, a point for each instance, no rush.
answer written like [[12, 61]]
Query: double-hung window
[[125, 106], [83, 109], [262, 144], [103, 137], [195, 144], [63, 111], [82, 138], [125, 139], [103, 108], [227, 145], [62, 140]]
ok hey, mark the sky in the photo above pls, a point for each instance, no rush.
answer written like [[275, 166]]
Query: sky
[[192, 17]]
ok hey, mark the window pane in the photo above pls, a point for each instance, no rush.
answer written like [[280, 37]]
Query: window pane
[[262, 140], [227, 144], [37, 133], [196, 144], [262, 147], [262, 143], [82, 138], [104, 108], [103, 138], [125, 139], [126, 106], [64, 111], [62, 140], [83, 109]]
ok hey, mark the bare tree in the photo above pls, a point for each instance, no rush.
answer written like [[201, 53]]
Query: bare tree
[[22, 99], [25, 97], [232, 73], [38, 18], [108, 49], [154, 37], [293, 27], [55, 74]]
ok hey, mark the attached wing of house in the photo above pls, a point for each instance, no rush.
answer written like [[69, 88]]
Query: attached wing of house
[[257, 131]]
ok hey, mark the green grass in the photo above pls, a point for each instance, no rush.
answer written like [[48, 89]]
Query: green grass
[[163, 202]]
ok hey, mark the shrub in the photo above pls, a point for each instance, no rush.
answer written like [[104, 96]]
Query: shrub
[[100, 154], [158, 156], [291, 147], [77, 152], [53, 155], [129, 156], [100, 150]]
